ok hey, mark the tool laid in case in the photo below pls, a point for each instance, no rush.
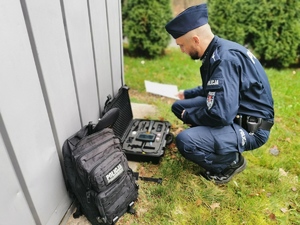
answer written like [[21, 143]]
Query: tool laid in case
[[142, 139]]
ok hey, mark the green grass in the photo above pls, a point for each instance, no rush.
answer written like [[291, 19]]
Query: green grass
[[266, 193]]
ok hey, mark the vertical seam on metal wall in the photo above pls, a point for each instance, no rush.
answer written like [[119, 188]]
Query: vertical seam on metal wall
[[94, 54], [121, 41], [71, 58], [9, 145], [109, 44], [18, 171]]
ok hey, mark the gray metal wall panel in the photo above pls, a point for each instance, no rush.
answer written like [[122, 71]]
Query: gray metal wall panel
[[59, 60], [78, 27], [26, 119], [12, 196], [56, 74], [56, 80], [101, 48]]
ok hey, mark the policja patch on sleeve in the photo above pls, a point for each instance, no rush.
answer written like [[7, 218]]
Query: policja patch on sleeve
[[210, 99]]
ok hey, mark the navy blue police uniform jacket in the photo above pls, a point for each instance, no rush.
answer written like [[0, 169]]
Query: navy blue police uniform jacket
[[233, 82]]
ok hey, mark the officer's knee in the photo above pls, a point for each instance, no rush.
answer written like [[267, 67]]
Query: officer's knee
[[182, 143], [174, 106], [176, 109]]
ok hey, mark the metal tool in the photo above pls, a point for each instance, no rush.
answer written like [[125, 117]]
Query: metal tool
[[147, 136]]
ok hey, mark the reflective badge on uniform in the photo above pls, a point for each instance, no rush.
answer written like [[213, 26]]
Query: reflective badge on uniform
[[213, 82], [210, 99], [243, 136]]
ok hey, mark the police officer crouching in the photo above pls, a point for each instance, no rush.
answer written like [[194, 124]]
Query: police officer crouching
[[232, 111]]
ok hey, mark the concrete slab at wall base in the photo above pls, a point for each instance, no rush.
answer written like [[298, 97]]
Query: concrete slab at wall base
[[139, 111]]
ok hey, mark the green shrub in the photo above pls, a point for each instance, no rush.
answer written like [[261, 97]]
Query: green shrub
[[144, 26], [271, 28]]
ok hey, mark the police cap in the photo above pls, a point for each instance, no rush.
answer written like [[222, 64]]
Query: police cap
[[189, 19]]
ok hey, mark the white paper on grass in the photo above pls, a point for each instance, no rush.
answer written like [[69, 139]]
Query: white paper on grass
[[167, 90]]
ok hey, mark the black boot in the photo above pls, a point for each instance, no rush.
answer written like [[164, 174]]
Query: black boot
[[226, 175]]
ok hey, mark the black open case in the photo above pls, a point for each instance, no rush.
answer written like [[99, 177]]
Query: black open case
[[142, 139]]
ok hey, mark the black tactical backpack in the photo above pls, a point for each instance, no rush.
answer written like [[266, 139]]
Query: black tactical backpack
[[97, 175]]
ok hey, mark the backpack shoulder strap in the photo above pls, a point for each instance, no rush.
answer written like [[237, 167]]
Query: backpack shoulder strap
[[152, 179]]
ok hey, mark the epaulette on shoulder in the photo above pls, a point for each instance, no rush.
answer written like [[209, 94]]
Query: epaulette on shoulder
[[214, 57]]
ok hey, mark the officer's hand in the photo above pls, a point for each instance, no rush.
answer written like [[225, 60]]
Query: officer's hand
[[180, 94]]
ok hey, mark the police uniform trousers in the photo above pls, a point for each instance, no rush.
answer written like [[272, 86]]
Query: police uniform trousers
[[214, 148]]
